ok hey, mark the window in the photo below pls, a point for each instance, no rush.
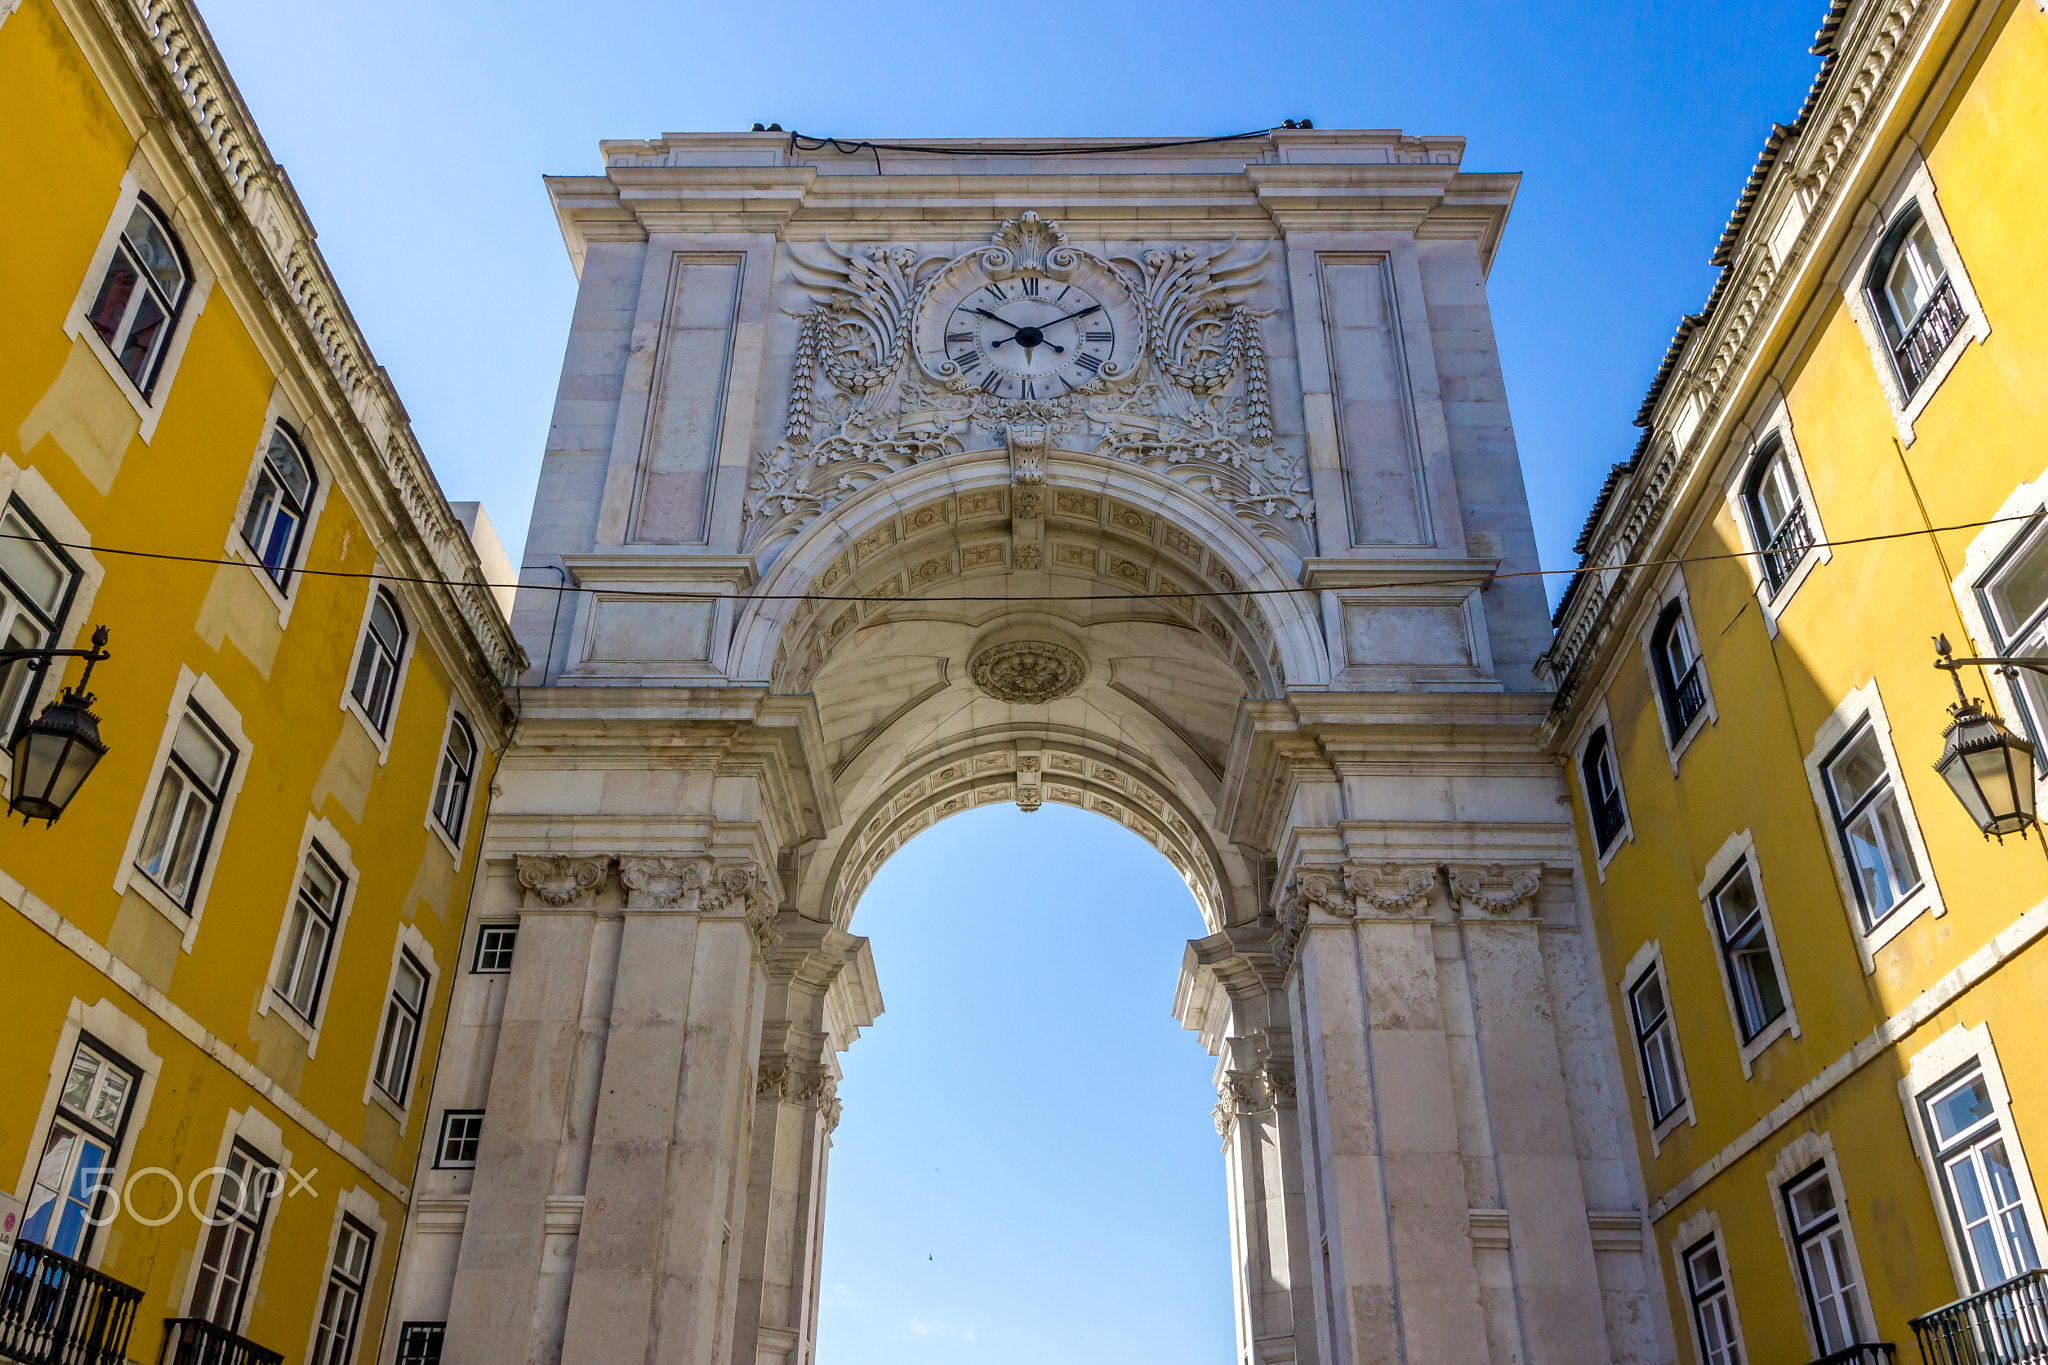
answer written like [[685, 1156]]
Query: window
[[1913, 298], [73, 1179], [136, 308], [241, 1203], [315, 919], [1677, 664], [1603, 790], [1713, 1306], [1738, 915], [36, 582], [376, 680], [188, 797], [276, 519], [1778, 522], [458, 773], [2014, 596], [1870, 824], [1983, 1190], [1656, 1046], [419, 1343], [334, 1337], [1827, 1272], [494, 944], [461, 1130], [399, 1042]]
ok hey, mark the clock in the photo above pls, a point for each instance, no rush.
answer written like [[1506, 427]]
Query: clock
[[1038, 331]]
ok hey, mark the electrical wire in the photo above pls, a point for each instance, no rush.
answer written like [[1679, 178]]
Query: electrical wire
[[1441, 580], [805, 142]]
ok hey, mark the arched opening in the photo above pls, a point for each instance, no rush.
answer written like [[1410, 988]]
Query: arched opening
[[1027, 1168]]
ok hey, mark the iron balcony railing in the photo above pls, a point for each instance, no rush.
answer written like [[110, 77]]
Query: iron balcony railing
[[2005, 1325], [1608, 818], [1930, 334], [1862, 1353], [1789, 544], [55, 1311], [195, 1341], [1686, 700]]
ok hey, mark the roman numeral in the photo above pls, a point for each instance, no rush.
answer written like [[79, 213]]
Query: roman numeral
[[1063, 380], [997, 291], [1064, 290], [952, 337], [1031, 286], [968, 363], [991, 381], [1027, 390], [1098, 336], [1088, 361]]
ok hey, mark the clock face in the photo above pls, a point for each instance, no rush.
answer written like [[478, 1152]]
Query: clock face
[[1029, 337]]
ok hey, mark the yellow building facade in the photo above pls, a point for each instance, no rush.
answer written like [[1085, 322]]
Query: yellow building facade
[[1829, 983], [228, 962]]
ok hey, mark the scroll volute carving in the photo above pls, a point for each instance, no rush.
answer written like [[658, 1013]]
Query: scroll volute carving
[[558, 879], [1495, 890], [1391, 888], [654, 883]]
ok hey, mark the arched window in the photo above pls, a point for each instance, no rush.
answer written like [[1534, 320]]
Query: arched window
[[1676, 659], [137, 306], [458, 776], [1912, 297], [376, 681], [276, 519], [1777, 516], [1603, 790]]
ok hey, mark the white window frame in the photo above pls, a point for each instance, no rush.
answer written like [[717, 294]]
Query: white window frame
[[1926, 1071], [116, 1032], [1675, 590], [141, 177], [477, 947], [448, 1116], [360, 1205], [200, 690], [47, 624], [1738, 848], [1775, 427], [1865, 703], [2024, 513], [35, 493], [259, 1134], [1696, 1231], [409, 941], [317, 832], [1596, 722], [1911, 185], [380, 738], [280, 409], [1796, 1159], [453, 843], [1648, 958]]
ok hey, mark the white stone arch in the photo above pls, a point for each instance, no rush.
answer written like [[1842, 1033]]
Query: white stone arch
[[1295, 652]]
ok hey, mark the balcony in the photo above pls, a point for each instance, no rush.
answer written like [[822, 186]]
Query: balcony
[[1687, 698], [1789, 544], [1929, 335], [2005, 1325], [195, 1341], [55, 1311], [1863, 1353]]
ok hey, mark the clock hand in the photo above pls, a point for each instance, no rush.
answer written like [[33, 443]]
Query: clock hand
[[1096, 308], [1037, 337]]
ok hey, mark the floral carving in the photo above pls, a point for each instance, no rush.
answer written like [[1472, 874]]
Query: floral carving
[[1028, 672], [1390, 887], [1495, 890], [1311, 889], [559, 878], [740, 887], [659, 883]]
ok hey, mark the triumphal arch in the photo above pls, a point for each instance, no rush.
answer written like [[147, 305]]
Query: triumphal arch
[[1173, 482]]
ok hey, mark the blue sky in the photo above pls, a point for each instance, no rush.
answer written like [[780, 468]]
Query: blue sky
[[1026, 1155]]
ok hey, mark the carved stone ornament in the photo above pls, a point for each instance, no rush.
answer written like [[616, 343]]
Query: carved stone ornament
[[1312, 888], [1028, 672], [660, 883], [1495, 891], [1390, 888], [559, 878], [740, 887], [890, 373], [804, 1083], [1240, 1093]]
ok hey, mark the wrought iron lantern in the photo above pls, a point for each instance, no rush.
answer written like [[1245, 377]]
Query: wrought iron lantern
[[56, 752], [1987, 766]]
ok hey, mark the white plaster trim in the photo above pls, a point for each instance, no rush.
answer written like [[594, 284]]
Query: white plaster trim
[[2024, 510], [1650, 957], [1705, 1226], [1674, 589], [280, 406], [1915, 184], [1794, 1159], [29, 485], [2008, 943], [1596, 722], [1776, 423], [1740, 847], [408, 939], [476, 763], [257, 1132], [129, 1040], [1928, 1068], [359, 1204], [1847, 715], [200, 690], [96, 956], [319, 831], [380, 738], [76, 326]]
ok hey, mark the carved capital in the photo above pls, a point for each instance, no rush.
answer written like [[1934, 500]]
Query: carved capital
[[1028, 434], [805, 1083], [559, 878], [660, 883], [739, 888], [1391, 888], [1313, 888], [1495, 891], [1241, 1093]]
